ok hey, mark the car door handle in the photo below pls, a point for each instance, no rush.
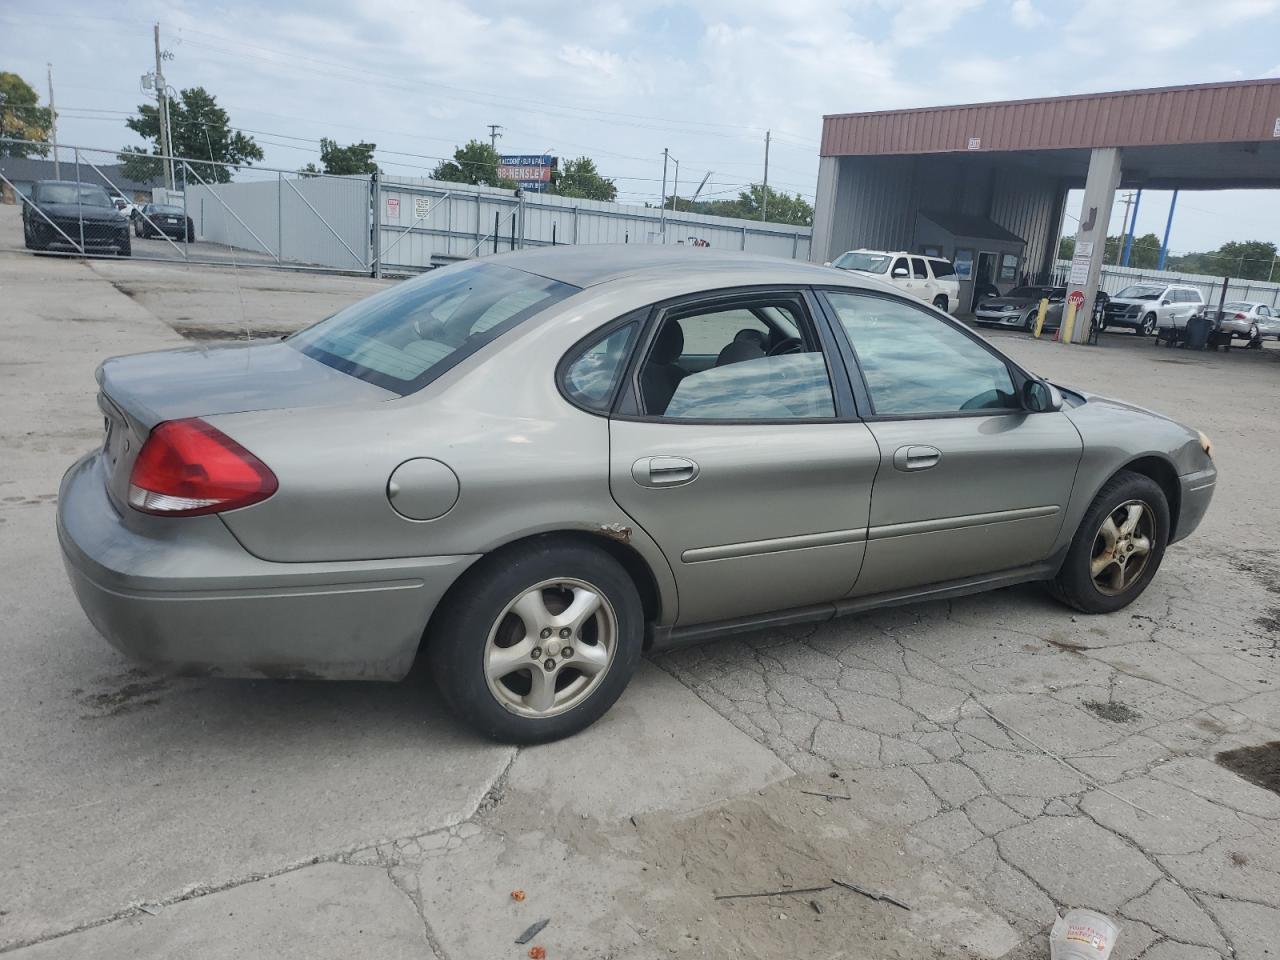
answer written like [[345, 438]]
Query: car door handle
[[663, 471], [916, 457]]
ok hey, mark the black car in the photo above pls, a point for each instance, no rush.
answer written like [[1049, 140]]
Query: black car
[[71, 215], [153, 219]]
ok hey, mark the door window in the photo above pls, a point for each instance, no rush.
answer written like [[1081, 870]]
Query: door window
[[918, 269], [900, 264], [916, 364], [591, 378], [731, 363]]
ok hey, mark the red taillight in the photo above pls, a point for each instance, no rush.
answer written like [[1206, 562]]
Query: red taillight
[[1240, 316], [188, 467]]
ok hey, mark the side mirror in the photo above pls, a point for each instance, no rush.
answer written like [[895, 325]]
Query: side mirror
[[826, 263], [1164, 303], [900, 273], [1040, 396]]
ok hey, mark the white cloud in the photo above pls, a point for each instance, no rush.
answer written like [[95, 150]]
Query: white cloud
[[919, 21], [1025, 14]]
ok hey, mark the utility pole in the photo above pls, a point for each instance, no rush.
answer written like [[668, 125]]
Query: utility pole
[[53, 130], [162, 99], [675, 189], [764, 193], [1124, 227], [698, 192], [662, 212], [494, 134]]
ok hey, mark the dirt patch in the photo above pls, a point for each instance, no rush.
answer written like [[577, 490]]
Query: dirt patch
[[1067, 645], [1114, 710], [213, 333], [1270, 620], [1259, 765], [137, 694]]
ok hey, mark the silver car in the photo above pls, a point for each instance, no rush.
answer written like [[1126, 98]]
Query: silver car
[[1244, 319], [528, 470]]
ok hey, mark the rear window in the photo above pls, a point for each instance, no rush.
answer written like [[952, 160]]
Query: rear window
[[405, 337], [941, 268]]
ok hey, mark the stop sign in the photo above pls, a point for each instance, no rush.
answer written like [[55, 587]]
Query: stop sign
[[1076, 299]]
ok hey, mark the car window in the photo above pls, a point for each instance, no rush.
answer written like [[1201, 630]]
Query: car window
[[591, 378], [754, 375], [708, 337], [1264, 310], [406, 336], [900, 264], [916, 364], [866, 262], [85, 194], [1140, 291], [942, 268], [918, 268]]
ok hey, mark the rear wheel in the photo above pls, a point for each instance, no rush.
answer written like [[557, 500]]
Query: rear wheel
[[537, 642], [1117, 547], [940, 302]]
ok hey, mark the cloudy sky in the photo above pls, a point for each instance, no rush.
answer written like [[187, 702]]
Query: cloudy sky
[[621, 81]]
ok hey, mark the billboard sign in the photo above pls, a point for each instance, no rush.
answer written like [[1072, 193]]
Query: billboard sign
[[531, 171]]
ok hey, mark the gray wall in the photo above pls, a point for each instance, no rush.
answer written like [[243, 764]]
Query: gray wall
[[873, 201]]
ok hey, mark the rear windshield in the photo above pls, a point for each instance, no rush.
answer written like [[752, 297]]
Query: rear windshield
[[168, 208], [405, 337], [866, 262], [1239, 305]]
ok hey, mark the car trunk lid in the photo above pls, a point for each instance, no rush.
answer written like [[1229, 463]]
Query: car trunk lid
[[141, 390]]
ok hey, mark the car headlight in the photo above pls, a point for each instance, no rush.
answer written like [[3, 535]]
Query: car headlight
[[1206, 444]]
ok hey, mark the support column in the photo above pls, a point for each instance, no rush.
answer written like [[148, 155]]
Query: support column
[[1091, 236], [824, 212]]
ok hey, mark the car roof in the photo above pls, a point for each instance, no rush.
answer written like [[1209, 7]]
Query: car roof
[[589, 265]]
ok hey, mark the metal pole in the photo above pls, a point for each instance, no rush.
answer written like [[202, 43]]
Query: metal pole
[[1168, 225], [163, 116], [662, 213], [764, 193], [53, 129], [79, 202], [496, 227], [1124, 226], [186, 233], [279, 216], [1133, 224], [675, 190]]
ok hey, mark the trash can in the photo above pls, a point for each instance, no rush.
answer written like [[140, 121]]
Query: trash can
[[1198, 330]]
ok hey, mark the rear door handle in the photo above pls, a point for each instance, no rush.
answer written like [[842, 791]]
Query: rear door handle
[[663, 471], [916, 457]]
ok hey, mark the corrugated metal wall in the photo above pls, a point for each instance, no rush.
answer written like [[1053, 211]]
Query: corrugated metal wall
[[319, 221], [428, 221], [1115, 279]]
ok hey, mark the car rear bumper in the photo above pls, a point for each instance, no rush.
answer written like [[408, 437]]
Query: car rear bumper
[[1196, 493], [185, 596]]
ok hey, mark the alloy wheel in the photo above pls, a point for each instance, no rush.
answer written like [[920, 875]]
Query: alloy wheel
[[1122, 547], [1148, 325], [551, 647]]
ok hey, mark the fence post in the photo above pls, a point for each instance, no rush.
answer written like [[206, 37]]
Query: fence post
[[575, 226], [479, 225], [795, 244], [79, 203], [375, 232], [497, 225], [279, 213], [744, 238]]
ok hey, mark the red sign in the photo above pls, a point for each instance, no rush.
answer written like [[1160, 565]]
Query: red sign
[[393, 208], [1076, 299]]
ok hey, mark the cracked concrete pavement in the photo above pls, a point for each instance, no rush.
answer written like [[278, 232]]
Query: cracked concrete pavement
[[1001, 757]]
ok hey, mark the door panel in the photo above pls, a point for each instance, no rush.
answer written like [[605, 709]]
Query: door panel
[[775, 517], [993, 498]]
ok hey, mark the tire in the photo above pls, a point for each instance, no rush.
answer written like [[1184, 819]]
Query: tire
[[1147, 326], [126, 248], [940, 302], [478, 620], [1029, 323], [1076, 584]]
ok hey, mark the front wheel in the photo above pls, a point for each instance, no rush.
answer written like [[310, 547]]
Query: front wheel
[[1117, 547], [537, 642], [126, 247], [1148, 325]]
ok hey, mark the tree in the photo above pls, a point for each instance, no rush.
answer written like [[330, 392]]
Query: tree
[[781, 208], [201, 131], [1066, 248], [356, 158], [1247, 260], [22, 118], [579, 178], [475, 163]]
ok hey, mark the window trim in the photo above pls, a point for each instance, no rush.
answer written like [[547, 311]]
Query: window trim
[[627, 406], [862, 391], [571, 356]]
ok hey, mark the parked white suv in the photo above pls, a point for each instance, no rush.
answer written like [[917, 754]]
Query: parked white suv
[[1147, 306], [932, 279]]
